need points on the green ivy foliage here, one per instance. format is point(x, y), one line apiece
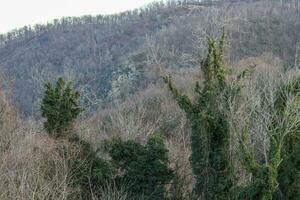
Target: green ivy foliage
point(277, 178)
point(59, 106)
point(289, 170)
point(144, 167)
point(210, 130)
point(263, 184)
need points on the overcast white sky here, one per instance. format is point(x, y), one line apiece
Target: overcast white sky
point(18, 13)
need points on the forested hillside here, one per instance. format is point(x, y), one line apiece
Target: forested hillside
point(109, 57)
point(182, 100)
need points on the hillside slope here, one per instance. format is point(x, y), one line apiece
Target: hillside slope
point(109, 57)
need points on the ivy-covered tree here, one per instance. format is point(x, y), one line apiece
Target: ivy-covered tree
point(210, 158)
point(144, 167)
point(282, 158)
point(289, 169)
point(59, 106)
point(263, 183)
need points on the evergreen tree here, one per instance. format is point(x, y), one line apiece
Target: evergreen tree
point(59, 106)
point(144, 167)
point(87, 171)
point(210, 158)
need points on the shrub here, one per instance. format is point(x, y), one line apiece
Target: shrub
point(88, 171)
point(144, 167)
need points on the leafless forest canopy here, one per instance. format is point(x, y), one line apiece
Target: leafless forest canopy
point(119, 64)
point(101, 53)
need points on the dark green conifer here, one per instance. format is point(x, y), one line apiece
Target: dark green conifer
point(60, 107)
point(87, 171)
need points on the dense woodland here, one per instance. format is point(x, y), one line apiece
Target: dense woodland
point(101, 53)
point(195, 100)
